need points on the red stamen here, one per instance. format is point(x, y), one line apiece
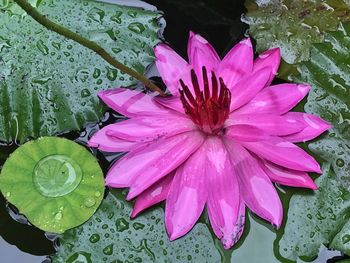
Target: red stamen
point(188, 93)
point(205, 83)
point(195, 83)
point(208, 110)
point(214, 88)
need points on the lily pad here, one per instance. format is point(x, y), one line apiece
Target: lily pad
point(56, 183)
point(111, 236)
point(319, 218)
point(48, 84)
point(323, 218)
point(293, 25)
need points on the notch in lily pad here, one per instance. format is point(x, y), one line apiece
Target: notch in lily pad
point(56, 183)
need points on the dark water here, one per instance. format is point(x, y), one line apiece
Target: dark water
point(218, 21)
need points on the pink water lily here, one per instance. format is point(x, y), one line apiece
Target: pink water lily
point(220, 141)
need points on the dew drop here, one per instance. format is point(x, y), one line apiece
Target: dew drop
point(96, 14)
point(136, 27)
point(340, 162)
point(122, 224)
point(117, 17)
point(132, 14)
point(108, 250)
point(97, 73)
point(58, 216)
point(111, 73)
point(85, 93)
point(89, 202)
point(346, 239)
point(81, 257)
point(94, 238)
point(138, 226)
point(42, 47)
point(116, 50)
point(56, 175)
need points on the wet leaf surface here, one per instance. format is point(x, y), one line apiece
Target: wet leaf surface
point(323, 218)
point(56, 183)
point(48, 84)
point(293, 25)
point(110, 235)
point(317, 219)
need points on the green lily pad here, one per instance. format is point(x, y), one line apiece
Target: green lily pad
point(56, 183)
point(323, 218)
point(48, 84)
point(293, 25)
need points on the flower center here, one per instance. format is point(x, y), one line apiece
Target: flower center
point(207, 108)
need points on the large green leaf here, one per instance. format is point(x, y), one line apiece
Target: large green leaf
point(111, 236)
point(293, 25)
point(48, 84)
point(317, 218)
point(56, 183)
point(323, 218)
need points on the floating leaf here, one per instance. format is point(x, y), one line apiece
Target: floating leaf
point(317, 218)
point(56, 183)
point(323, 218)
point(293, 25)
point(48, 84)
point(111, 236)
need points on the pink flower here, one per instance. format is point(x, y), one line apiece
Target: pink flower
point(221, 140)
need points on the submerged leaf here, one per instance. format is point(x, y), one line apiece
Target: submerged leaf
point(56, 183)
point(323, 218)
point(293, 25)
point(48, 84)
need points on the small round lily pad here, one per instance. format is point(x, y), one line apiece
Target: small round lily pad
point(56, 183)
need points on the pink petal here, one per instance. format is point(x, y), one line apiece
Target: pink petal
point(239, 227)
point(172, 102)
point(187, 195)
point(277, 99)
point(224, 207)
point(271, 124)
point(255, 186)
point(315, 126)
point(283, 153)
point(247, 88)
point(142, 168)
point(288, 177)
point(149, 128)
point(270, 58)
point(201, 53)
point(130, 103)
point(171, 67)
point(237, 63)
point(107, 143)
point(156, 193)
point(245, 133)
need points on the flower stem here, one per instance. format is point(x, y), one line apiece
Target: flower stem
point(43, 20)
